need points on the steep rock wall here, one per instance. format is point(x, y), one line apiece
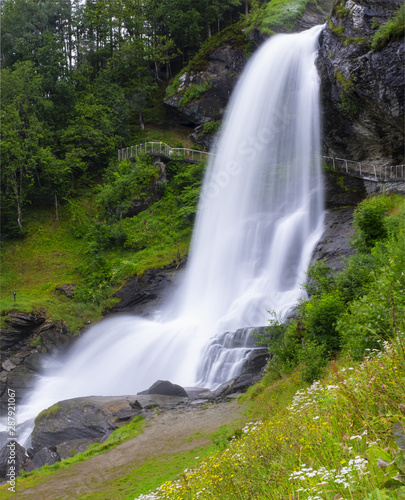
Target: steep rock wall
point(362, 90)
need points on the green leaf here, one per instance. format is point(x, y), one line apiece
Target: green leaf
point(399, 435)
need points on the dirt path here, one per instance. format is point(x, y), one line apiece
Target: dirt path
point(164, 433)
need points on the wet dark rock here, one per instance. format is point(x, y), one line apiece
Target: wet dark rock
point(362, 91)
point(34, 362)
point(141, 294)
point(13, 458)
point(136, 405)
point(45, 456)
point(342, 190)
point(24, 348)
point(24, 321)
point(256, 360)
point(334, 245)
point(223, 66)
point(235, 386)
point(9, 338)
point(166, 388)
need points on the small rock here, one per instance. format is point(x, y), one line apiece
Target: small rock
point(136, 405)
point(8, 365)
point(67, 289)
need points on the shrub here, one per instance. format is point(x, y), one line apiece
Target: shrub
point(320, 316)
point(211, 127)
point(370, 224)
point(313, 358)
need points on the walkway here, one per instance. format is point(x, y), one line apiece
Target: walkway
point(162, 152)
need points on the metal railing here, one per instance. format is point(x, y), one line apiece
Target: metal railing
point(366, 170)
point(350, 167)
point(160, 148)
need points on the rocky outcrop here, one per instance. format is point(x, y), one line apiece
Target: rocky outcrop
point(31, 338)
point(141, 294)
point(362, 90)
point(212, 86)
point(200, 94)
point(91, 418)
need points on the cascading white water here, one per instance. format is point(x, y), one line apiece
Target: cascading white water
point(259, 218)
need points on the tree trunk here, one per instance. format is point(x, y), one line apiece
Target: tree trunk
point(141, 122)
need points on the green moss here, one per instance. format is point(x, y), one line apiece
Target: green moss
point(358, 40)
point(340, 181)
point(234, 35)
point(36, 342)
point(339, 9)
point(48, 413)
point(349, 104)
point(194, 92)
point(392, 30)
point(344, 82)
point(338, 30)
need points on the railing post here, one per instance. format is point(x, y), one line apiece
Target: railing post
point(360, 168)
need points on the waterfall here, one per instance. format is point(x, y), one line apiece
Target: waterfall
point(259, 218)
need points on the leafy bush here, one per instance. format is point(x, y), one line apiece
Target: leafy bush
point(211, 127)
point(370, 223)
point(353, 310)
point(124, 183)
point(320, 315)
point(313, 359)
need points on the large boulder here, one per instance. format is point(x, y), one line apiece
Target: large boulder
point(362, 89)
point(12, 459)
point(90, 418)
point(166, 388)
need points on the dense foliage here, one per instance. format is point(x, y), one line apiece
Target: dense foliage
point(79, 79)
point(352, 311)
point(142, 208)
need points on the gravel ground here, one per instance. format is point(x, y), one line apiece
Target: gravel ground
point(166, 432)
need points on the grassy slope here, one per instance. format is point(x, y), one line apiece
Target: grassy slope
point(32, 267)
point(318, 442)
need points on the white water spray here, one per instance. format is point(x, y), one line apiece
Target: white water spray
point(259, 218)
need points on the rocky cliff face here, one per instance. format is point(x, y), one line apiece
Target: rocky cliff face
point(211, 85)
point(30, 339)
point(200, 94)
point(362, 90)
